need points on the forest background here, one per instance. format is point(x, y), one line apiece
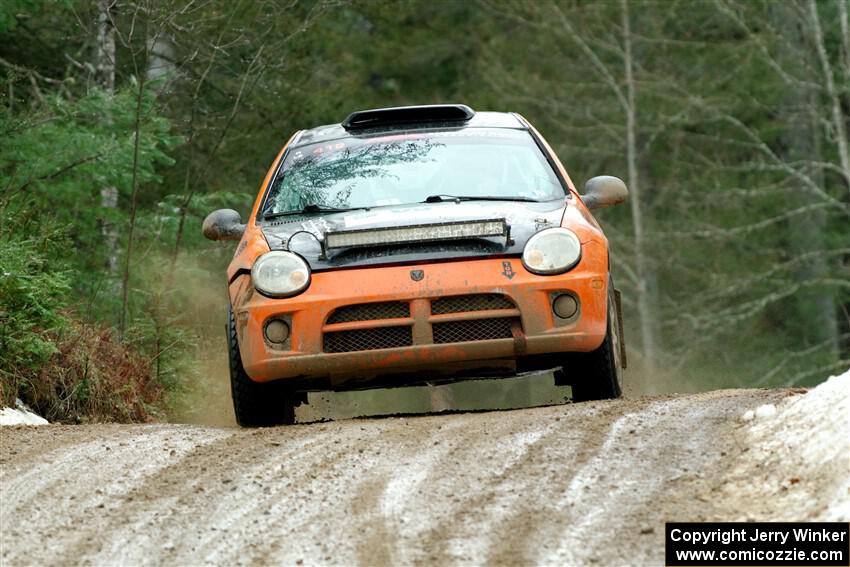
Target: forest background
point(124, 123)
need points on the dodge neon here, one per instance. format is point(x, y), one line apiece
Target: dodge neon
point(414, 245)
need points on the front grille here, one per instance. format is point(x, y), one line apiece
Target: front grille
point(382, 337)
point(476, 302)
point(368, 339)
point(474, 330)
point(370, 312)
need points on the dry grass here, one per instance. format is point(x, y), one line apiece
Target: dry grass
point(94, 377)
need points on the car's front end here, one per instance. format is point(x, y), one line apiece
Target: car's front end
point(435, 318)
point(415, 250)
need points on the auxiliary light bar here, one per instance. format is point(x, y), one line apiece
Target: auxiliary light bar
point(417, 233)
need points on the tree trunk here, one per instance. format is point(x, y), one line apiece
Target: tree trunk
point(141, 73)
point(105, 56)
point(832, 93)
point(125, 282)
point(647, 311)
point(105, 77)
point(802, 111)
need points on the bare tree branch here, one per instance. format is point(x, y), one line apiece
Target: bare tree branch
point(838, 119)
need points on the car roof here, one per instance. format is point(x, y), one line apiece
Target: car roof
point(479, 120)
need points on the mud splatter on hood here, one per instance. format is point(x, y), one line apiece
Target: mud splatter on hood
point(303, 234)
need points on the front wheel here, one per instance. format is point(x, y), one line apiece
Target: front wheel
point(256, 404)
point(599, 374)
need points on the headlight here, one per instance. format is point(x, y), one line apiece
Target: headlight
point(280, 274)
point(551, 251)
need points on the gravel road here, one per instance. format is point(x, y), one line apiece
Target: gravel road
point(575, 484)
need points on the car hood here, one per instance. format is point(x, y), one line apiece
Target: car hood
point(304, 234)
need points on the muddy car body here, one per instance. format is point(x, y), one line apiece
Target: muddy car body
point(418, 244)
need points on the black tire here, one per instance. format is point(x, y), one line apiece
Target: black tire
point(598, 375)
point(256, 404)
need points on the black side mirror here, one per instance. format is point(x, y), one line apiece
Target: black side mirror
point(223, 224)
point(604, 191)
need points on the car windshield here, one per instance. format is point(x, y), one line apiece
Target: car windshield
point(409, 168)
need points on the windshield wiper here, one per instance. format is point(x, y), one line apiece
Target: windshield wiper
point(442, 198)
point(310, 210)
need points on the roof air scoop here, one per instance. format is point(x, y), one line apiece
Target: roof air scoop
point(408, 114)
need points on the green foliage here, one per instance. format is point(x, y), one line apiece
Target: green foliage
point(33, 293)
point(55, 163)
point(744, 201)
point(9, 9)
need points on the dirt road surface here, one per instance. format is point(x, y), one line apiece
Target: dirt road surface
point(575, 484)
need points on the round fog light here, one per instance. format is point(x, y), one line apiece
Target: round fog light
point(277, 331)
point(565, 306)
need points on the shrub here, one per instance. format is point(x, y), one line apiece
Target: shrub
point(32, 292)
point(93, 376)
point(65, 369)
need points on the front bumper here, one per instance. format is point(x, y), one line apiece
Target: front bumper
point(533, 328)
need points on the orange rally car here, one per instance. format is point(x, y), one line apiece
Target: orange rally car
point(418, 244)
